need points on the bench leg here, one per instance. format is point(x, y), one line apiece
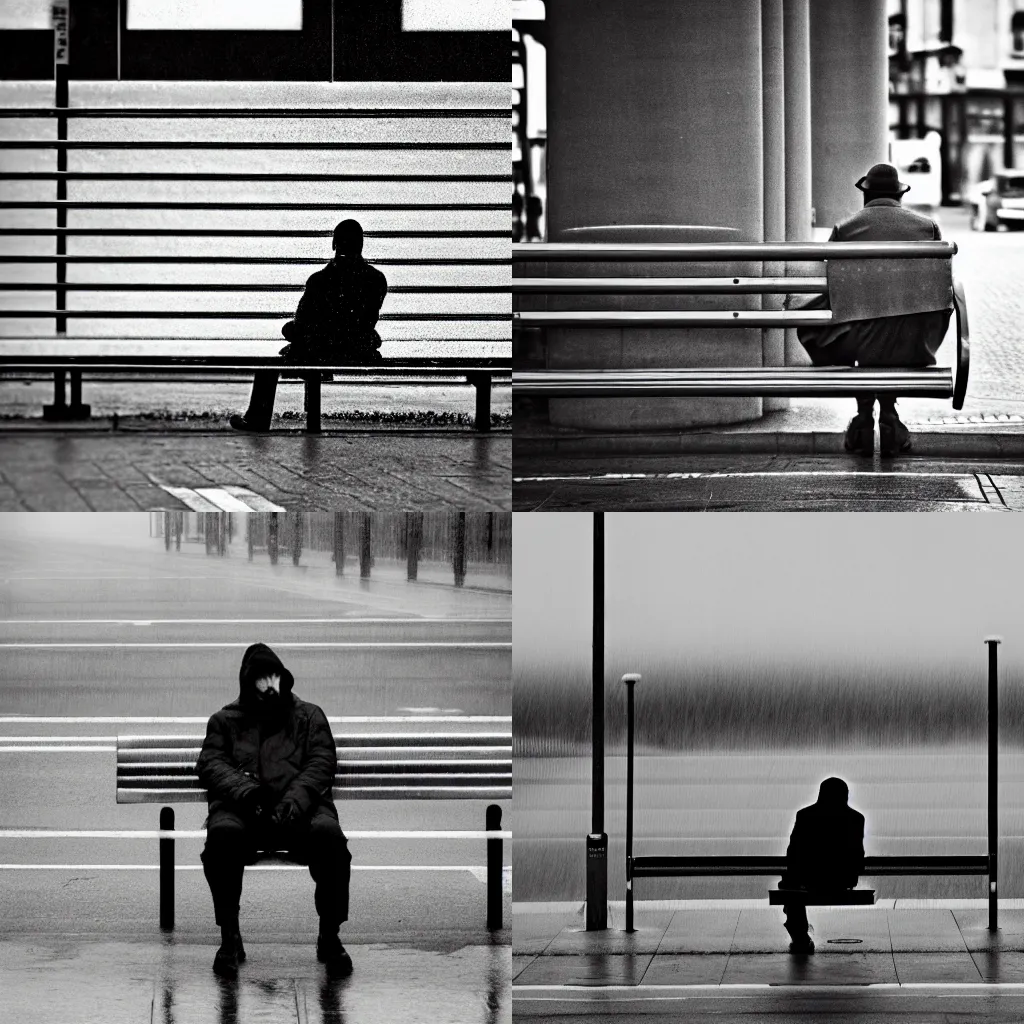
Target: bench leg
point(494, 865)
point(60, 410)
point(482, 383)
point(167, 871)
point(313, 405)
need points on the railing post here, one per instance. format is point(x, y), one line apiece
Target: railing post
point(459, 548)
point(993, 777)
point(313, 404)
point(167, 530)
point(365, 551)
point(339, 543)
point(494, 859)
point(414, 536)
point(482, 383)
point(272, 538)
point(166, 870)
point(630, 680)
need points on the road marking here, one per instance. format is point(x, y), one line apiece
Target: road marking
point(224, 498)
point(244, 622)
point(638, 992)
point(471, 868)
point(38, 833)
point(325, 643)
point(188, 720)
point(55, 750)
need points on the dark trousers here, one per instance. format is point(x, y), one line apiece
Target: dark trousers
point(796, 922)
point(261, 400)
point(232, 842)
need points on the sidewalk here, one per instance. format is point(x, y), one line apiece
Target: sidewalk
point(730, 943)
point(82, 470)
point(54, 981)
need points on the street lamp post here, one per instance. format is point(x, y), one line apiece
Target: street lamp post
point(597, 841)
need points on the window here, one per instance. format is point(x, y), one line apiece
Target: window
point(237, 15)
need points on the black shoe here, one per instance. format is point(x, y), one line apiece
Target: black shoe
point(225, 963)
point(805, 947)
point(893, 436)
point(241, 423)
point(239, 948)
point(860, 435)
point(331, 953)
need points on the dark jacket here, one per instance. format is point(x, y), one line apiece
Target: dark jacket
point(293, 754)
point(910, 339)
point(826, 848)
point(337, 313)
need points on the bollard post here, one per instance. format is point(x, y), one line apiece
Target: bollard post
point(494, 859)
point(993, 777)
point(459, 552)
point(630, 680)
point(339, 543)
point(365, 553)
point(166, 871)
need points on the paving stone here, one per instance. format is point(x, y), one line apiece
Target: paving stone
point(790, 969)
point(586, 969)
point(925, 930)
point(936, 967)
point(700, 931)
point(686, 969)
point(612, 940)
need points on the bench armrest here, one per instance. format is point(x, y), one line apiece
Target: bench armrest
point(963, 346)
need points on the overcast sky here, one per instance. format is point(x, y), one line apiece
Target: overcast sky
point(786, 587)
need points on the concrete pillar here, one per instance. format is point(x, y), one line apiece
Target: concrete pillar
point(773, 120)
point(654, 134)
point(849, 102)
point(797, 49)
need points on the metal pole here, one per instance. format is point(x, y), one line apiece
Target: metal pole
point(272, 538)
point(630, 680)
point(365, 549)
point(993, 776)
point(339, 543)
point(167, 530)
point(494, 859)
point(167, 871)
point(459, 552)
point(597, 840)
point(414, 534)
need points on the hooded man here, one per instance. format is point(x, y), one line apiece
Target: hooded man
point(268, 764)
point(826, 851)
point(906, 340)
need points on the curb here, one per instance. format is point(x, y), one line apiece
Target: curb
point(935, 444)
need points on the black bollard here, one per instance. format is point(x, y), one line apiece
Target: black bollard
point(494, 859)
point(167, 871)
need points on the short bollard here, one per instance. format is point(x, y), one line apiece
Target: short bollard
point(167, 871)
point(494, 859)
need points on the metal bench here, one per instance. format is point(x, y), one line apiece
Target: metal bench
point(478, 372)
point(791, 381)
point(399, 765)
point(712, 866)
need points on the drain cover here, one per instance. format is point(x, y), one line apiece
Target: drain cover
point(844, 942)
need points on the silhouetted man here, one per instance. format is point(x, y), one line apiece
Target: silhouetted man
point(826, 851)
point(268, 764)
point(335, 322)
point(906, 340)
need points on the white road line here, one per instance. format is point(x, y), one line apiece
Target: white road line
point(637, 992)
point(49, 833)
point(188, 497)
point(187, 720)
point(325, 643)
point(56, 750)
point(256, 622)
point(227, 502)
point(737, 475)
point(255, 501)
point(471, 868)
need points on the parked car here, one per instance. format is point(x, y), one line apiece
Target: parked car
point(998, 200)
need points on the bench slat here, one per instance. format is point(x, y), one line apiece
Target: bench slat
point(662, 867)
point(181, 795)
point(822, 898)
point(668, 285)
point(367, 740)
point(673, 318)
point(355, 768)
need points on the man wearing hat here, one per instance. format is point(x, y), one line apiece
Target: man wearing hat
point(905, 340)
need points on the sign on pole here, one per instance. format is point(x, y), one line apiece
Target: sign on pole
point(59, 14)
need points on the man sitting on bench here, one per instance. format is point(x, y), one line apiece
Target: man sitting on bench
point(268, 764)
point(826, 851)
point(334, 323)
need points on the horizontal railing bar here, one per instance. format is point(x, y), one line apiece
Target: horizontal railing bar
point(174, 145)
point(212, 364)
point(249, 112)
point(425, 261)
point(249, 314)
point(152, 796)
point(184, 833)
point(84, 204)
point(711, 251)
point(376, 739)
point(667, 285)
point(673, 318)
point(802, 382)
point(241, 233)
point(658, 867)
point(231, 176)
point(127, 781)
point(106, 286)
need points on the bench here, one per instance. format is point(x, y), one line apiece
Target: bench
point(399, 765)
point(478, 372)
point(713, 866)
point(749, 381)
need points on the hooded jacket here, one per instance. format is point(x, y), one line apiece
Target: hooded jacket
point(292, 752)
point(826, 848)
